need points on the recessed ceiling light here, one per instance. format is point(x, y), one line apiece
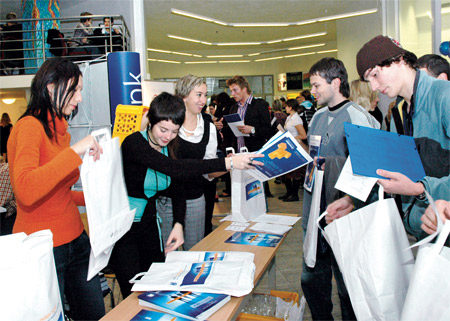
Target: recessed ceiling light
point(163, 60)
point(308, 46)
point(273, 24)
point(302, 54)
point(225, 56)
point(237, 43)
point(9, 101)
point(183, 38)
point(200, 62)
point(232, 61)
point(272, 58)
point(327, 51)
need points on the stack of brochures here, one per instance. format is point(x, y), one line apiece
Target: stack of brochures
point(186, 304)
point(275, 224)
point(145, 315)
point(206, 272)
point(256, 239)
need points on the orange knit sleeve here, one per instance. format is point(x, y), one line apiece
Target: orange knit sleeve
point(30, 180)
point(78, 198)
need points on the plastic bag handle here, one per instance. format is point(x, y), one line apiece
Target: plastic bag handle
point(134, 279)
point(319, 219)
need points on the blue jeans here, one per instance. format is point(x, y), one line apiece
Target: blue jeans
point(317, 286)
point(85, 298)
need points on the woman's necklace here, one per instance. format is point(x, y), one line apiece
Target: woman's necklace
point(149, 135)
point(192, 132)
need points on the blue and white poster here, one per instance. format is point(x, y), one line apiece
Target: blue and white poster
point(257, 239)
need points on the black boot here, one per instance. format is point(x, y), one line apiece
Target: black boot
point(288, 183)
point(294, 192)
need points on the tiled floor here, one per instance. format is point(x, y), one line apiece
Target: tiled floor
point(289, 256)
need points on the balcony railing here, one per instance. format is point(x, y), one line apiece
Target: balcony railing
point(27, 43)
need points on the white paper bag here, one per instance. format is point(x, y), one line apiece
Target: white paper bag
point(371, 248)
point(28, 283)
point(312, 232)
point(107, 206)
point(247, 196)
point(208, 256)
point(226, 277)
point(428, 295)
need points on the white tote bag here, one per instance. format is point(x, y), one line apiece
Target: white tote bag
point(227, 277)
point(371, 248)
point(428, 295)
point(29, 285)
point(247, 196)
point(312, 232)
point(107, 206)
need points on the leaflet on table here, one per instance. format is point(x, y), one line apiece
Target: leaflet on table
point(314, 150)
point(355, 185)
point(226, 277)
point(237, 226)
point(146, 315)
point(190, 305)
point(234, 120)
point(277, 219)
point(271, 228)
point(373, 149)
point(282, 155)
point(208, 256)
point(257, 239)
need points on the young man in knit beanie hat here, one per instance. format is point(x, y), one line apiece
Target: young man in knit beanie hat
point(425, 113)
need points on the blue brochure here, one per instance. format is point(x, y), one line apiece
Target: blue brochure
point(186, 304)
point(258, 239)
point(371, 149)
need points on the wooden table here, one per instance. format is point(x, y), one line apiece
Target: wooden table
point(264, 261)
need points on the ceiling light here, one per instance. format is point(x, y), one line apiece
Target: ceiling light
point(183, 38)
point(327, 51)
point(274, 41)
point(158, 50)
point(272, 58)
point(305, 22)
point(196, 16)
point(232, 61)
point(347, 15)
point(302, 54)
point(309, 46)
point(254, 54)
point(225, 56)
point(9, 101)
point(273, 24)
point(181, 53)
point(305, 36)
point(260, 24)
point(237, 43)
point(200, 62)
point(166, 61)
point(197, 56)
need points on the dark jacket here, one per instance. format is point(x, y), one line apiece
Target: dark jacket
point(258, 116)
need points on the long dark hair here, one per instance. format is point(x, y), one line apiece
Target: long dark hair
point(64, 76)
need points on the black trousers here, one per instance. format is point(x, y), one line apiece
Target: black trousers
point(135, 252)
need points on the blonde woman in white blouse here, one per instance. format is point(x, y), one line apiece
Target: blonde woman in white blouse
point(294, 125)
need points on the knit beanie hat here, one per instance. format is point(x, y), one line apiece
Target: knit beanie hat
point(375, 52)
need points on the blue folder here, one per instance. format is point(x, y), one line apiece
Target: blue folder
point(371, 149)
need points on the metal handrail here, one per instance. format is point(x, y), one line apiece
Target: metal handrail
point(76, 50)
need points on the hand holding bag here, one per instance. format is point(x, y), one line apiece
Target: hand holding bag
point(371, 248)
point(107, 206)
point(312, 232)
point(428, 296)
point(29, 285)
point(247, 196)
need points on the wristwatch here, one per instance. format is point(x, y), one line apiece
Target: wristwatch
point(252, 131)
point(421, 197)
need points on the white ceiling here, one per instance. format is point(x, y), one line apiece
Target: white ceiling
point(160, 21)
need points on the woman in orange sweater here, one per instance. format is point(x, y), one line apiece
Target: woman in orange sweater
point(43, 168)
